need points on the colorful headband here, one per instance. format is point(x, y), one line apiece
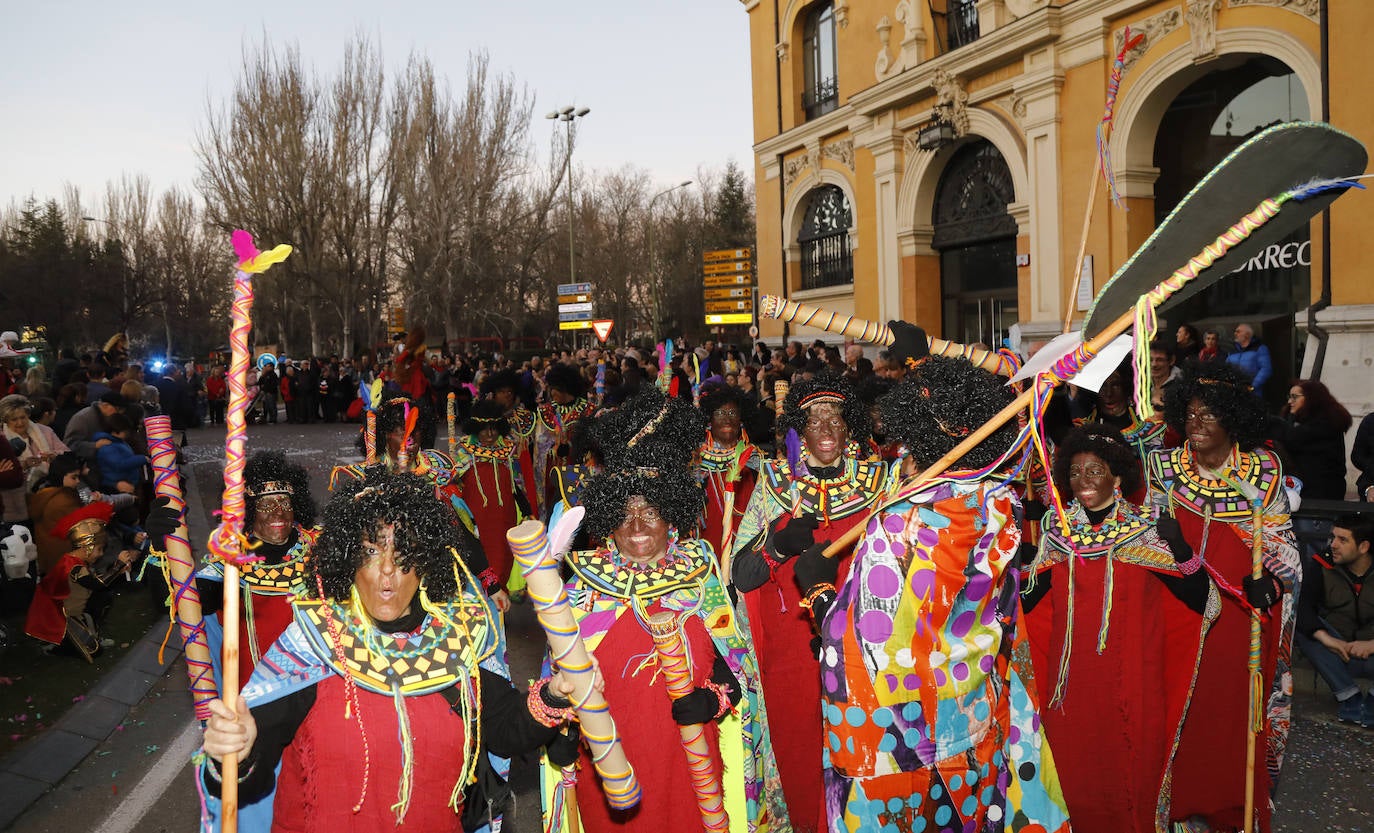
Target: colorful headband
point(270, 487)
point(820, 397)
point(1210, 381)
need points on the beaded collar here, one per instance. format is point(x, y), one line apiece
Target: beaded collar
point(607, 572)
point(1174, 471)
point(855, 489)
point(714, 459)
point(556, 417)
point(445, 649)
point(284, 577)
point(503, 452)
point(521, 422)
point(1124, 523)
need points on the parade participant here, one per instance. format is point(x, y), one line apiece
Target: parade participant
point(931, 715)
point(384, 684)
point(819, 491)
point(727, 462)
point(503, 387)
point(567, 403)
point(881, 448)
point(73, 598)
point(1217, 485)
point(638, 505)
point(1116, 611)
point(488, 464)
point(1114, 410)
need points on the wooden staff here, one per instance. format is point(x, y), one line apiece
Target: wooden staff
point(677, 674)
point(1256, 725)
point(539, 563)
point(727, 533)
point(780, 389)
point(872, 332)
point(181, 567)
point(452, 428)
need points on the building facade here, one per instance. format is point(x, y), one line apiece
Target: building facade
point(931, 160)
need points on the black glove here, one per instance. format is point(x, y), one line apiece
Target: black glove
point(908, 342)
point(1172, 533)
point(700, 706)
point(1033, 510)
point(1262, 592)
point(162, 521)
point(1026, 554)
point(814, 568)
point(563, 749)
point(795, 537)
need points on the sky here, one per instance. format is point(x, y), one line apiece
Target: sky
point(93, 91)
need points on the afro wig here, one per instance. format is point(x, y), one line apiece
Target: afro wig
point(391, 416)
point(647, 445)
point(715, 396)
point(266, 466)
point(427, 535)
point(827, 382)
point(501, 380)
point(940, 403)
point(1105, 443)
point(567, 378)
point(486, 414)
point(1225, 390)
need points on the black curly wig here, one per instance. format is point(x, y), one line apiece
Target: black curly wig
point(934, 407)
point(566, 378)
point(1106, 443)
point(501, 380)
point(425, 533)
point(486, 414)
point(717, 395)
point(647, 446)
point(1225, 389)
point(854, 410)
point(273, 465)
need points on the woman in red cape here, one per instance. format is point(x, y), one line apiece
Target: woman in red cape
point(493, 486)
point(727, 462)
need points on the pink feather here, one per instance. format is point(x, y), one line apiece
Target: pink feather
point(243, 245)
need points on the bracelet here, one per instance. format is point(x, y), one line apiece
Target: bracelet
point(542, 712)
point(215, 771)
point(815, 593)
point(722, 694)
point(1190, 566)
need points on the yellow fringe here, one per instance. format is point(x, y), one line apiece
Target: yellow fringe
point(407, 754)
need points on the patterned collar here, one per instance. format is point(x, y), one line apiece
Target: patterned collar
point(1124, 523)
point(606, 571)
point(556, 417)
point(282, 578)
point(714, 459)
point(521, 422)
point(857, 488)
point(503, 452)
point(1175, 473)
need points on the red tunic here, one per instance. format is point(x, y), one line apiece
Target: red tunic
point(46, 619)
point(271, 615)
point(715, 485)
point(489, 491)
point(652, 742)
point(322, 773)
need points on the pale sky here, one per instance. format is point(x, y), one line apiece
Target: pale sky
point(92, 90)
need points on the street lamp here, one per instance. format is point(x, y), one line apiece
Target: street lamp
point(653, 277)
point(569, 115)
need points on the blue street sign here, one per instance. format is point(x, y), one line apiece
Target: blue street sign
point(575, 316)
point(573, 288)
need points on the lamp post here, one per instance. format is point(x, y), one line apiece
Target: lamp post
point(568, 115)
point(653, 274)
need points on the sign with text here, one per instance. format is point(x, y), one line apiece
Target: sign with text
point(602, 329)
point(730, 318)
point(574, 288)
point(724, 294)
point(576, 316)
point(562, 308)
point(726, 267)
point(728, 280)
point(716, 255)
point(574, 299)
point(746, 305)
point(574, 325)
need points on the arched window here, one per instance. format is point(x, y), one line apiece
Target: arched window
point(976, 238)
point(822, 88)
point(824, 239)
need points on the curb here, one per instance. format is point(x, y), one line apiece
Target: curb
point(29, 771)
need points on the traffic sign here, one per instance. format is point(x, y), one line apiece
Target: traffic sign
point(574, 325)
point(726, 267)
point(574, 299)
point(575, 316)
point(746, 305)
point(602, 329)
point(728, 280)
point(730, 318)
point(715, 255)
point(562, 308)
point(573, 288)
point(728, 292)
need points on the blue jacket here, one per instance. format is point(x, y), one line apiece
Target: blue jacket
point(117, 461)
point(1255, 361)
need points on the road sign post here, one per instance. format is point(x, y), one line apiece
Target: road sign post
point(727, 278)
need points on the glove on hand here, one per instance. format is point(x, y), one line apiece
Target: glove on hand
point(1172, 533)
point(908, 342)
point(814, 568)
point(1034, 510)
point(700, 706)
point(563, 748)
point(162, 521)
point(795, 537)
point(1262, 592)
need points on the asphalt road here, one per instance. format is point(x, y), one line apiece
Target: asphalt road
point(140, 778)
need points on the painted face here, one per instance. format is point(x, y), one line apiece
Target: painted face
point(1344, 549)
point(559, 396)
point(825, 433)
point(272, 518)
point(643, 536)
point(386, 589)
point(489, 437)
point(505, 397)
point(725, 425)
point(1111, 400)
point(1204, 431)
point(1092, 481)
point(1296, 399)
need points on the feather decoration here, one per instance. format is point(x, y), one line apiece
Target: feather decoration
point(794, 461)
point(1321, 186)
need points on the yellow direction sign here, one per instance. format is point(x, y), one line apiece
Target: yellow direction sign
point(746, 305)
point(728, 280)
point(574, 325)
point(723, 294)
point(730, 318)
point(726, 267)
point(716, 255)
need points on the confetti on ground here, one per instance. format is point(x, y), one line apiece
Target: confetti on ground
point(78, 698)
point(150, 749)
point(103, 754)
point(7, 680)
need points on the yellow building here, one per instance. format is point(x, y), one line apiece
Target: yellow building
point(931, 160)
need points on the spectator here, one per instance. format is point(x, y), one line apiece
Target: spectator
point(1211, 347)
point(1335, 627)
point(36, 384)
point(1163, 370)
point(268, 387)
point(97, 383)
point(761, 354)
point(1362, 457)
point(44, 411)
point(852, 354)
point(216, 394)
point(1313, 433)
point(1188, 343)
point(1253, 357)
point(796, 355)
point(65, 367)
point(92, 420)
point(71, 398)
point(291, 394)
point(175, 398)
point(41, 444)
point(121, 470)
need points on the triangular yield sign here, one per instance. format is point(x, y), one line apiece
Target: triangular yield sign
point(602, 329)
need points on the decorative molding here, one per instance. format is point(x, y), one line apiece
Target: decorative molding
point(781, 48)
point(1202, 27)
point(952, 105)
point(1021, 8)
point(1310, 9)
point(841, 151)
point(841, 10)
point(911, 144)
point(793, 168)
point(913, 36)
point(1152, 28)
point(1016, 105)
point(882, 63)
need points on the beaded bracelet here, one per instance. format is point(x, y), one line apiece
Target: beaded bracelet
point(815, 592)
point(542, 712)
point(1190, 566)
point(243, 775)
point(723, 694)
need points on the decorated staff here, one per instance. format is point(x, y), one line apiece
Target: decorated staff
point(181, 566)
point(226, 543)
point(677, 673)
point(452, 425)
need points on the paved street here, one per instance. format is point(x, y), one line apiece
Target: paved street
point(133, 773)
